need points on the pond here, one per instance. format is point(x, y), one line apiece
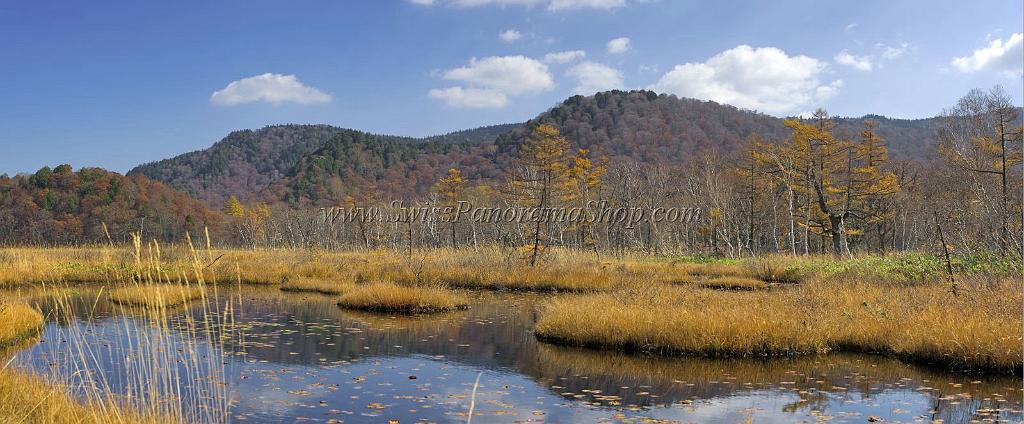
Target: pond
point(282, 357)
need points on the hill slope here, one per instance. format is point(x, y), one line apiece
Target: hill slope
point(648, 127)
point(247, 162)
point(319, 164)
point(61, 206)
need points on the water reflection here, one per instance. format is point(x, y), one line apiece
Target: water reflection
point(303, 357)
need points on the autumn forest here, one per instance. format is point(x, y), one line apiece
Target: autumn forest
point(816, 184)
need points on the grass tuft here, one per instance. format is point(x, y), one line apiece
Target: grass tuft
point(977, 330)
point(18, 322)
point(390, 297)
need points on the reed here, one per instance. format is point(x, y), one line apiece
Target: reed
point(28, 398)
point(156, 363)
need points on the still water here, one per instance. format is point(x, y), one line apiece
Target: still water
point(300, 358)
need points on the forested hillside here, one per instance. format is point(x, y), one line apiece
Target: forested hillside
point(320, 164)
point(648, 127)
point(241, 164)
point(645, 126)
point(363, 165)
point(62, 206)
point(245, 163)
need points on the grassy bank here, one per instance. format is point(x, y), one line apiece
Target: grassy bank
point(26, 398)
point(977, 330)
point(483, 268)
point(167, 264)
point(390, 297)
point(330, 286)
point(18, 322)
point(781, 305)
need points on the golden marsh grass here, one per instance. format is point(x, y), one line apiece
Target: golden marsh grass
point(978, 330)
point(390, 297)
point(26, 398)
point(18, 322)
point(894, 305)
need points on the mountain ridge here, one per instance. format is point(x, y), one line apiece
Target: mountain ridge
point(262, 157)
point(322, 164)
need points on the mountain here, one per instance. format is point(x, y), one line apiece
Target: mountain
point(354, 163)
point(321, 165)
point(62, 206)
point(245, 163)
point(649, 127)
point(645, 126)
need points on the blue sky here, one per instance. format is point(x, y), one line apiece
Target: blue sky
point(119, 83)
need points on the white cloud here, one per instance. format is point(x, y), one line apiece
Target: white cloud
point(765, 79)
point(489, 82)
point(269, 88)
point(618, 45)
point(470, 97)
point(475, 3)
point(862, 63)
point(1006, 56)
point(595, 77)
point(823, 92)
point(849, 28)
point(512, 75)
point(891, 52)
point(553, 5)
point(580, 4)
point(869, 62)
point(510, 35)
point(564, 57)
point(423, 2)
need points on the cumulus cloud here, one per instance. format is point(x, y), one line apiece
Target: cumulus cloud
point(488, 82)
point(618, 45)
point(511, 74)
point(862, 63)
point(594, 77)
point(268, 88)
point(552, 5)
point(1006, 56)
point(510, 35)
point(765, 79)
point(470, 97)
point(564, 57)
